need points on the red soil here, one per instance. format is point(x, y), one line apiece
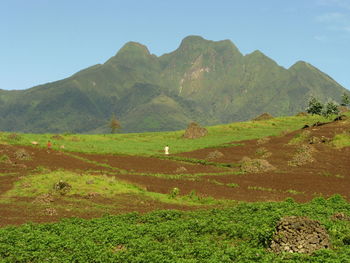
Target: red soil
point(328, 174)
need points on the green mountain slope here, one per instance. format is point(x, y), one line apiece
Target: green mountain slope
point(205, 81)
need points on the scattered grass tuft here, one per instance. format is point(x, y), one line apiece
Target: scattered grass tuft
point(341, 140)
point(4, 159)
point(328, 174)
point(300, 137)
point(263, 152)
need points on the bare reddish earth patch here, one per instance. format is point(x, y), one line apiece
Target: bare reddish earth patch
point(153, 165)
point(328, 174)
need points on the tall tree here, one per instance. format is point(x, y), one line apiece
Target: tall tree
point(114, 124)
point(345, 100)
point(330, 108)
point(315, 106)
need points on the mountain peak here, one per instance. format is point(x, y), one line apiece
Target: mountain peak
point(257, 53)
point(131, 51)
point(257, 57)
point(300, 64)
point(134, 47)
point(197, 43)
point(192, 41)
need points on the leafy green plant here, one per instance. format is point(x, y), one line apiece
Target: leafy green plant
point(174, 192)
point(240, 233)
point(4, 158)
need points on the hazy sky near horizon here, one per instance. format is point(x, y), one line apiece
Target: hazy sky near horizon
point(47, 40)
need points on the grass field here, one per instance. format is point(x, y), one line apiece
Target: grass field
point(153, 143)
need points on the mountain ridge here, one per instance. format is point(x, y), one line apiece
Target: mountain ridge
point(210, 82)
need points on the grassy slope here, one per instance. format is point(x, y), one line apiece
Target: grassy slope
point(42, 183)
point(153, 143)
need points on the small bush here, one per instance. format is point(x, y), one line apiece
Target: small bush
point(193, 196)
point(174, 192)
point(4, 159)
point(62, 187)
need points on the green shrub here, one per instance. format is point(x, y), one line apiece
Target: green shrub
point(4, 158)
point(174, 192)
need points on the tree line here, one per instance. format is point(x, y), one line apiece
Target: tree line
point(315, 107)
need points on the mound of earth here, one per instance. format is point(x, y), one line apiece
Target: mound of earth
point(264, 116)
point(255, 165)
point(299, 235)
point(22, 154)
point(302, 114)
point(214, 155)
point(57, 137)
point(302, 156)
point(194, 130)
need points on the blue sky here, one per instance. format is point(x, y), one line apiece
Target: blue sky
point(47, 40)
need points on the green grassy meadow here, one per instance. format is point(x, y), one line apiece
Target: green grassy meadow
point(153, 143)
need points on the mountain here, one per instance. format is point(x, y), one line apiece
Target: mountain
point(209, 82)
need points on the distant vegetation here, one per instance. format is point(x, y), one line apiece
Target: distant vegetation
point(328, 109)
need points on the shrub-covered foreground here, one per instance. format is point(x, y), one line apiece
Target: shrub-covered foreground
point(238, 234)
